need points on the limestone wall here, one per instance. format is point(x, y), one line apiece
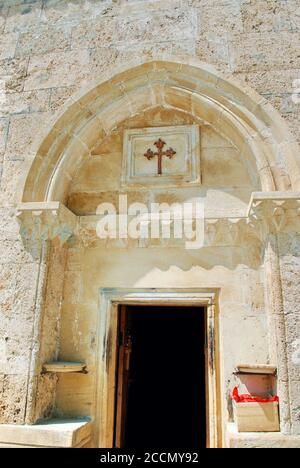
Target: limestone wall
point(290, 252)
point(49, 49)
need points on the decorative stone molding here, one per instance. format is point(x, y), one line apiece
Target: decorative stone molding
point(46, 221)
point(218, 232)
point(228, 231)
point(268, 212)
point(274, 212)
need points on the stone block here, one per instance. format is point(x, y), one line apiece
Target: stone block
point(7, 277)
point(272, 81)
point(224, 167)
point(26, 102)
point(261, 53)
point(4, 123)
point(221, 17)
point(212, 48)
point(60, 433)
point(22, 17)
point(12, 172)
point(75, 395)
point(93, 34)
point(23, 130)
point(265, 17)
point(57, 69)
point(78, 333)
point(9, 228)
point(3, 13)
point(13, 252)
point(43, 40)
point(6, 301)
point(8, 43)
point(12, 74)
point(60, 95)
point(212, 139)
point(13, 398)
point(57, 12)
point(166, 25)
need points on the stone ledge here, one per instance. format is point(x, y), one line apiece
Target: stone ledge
point(239, 440)
point(60, 433)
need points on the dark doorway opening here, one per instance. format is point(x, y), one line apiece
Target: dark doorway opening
point(161, 378)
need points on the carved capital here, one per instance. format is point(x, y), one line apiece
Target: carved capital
point(275, 211)
point(46, 221)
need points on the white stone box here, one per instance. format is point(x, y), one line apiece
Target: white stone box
point(257, 417)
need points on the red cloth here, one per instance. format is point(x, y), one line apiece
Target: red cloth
point(251, 399)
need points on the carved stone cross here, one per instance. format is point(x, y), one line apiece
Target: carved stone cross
point(160, 153)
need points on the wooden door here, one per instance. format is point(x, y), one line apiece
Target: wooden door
point(124, 355)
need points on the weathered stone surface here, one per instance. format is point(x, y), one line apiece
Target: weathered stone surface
point(58, 96)
point(214, 49)
point(43, 40)
point(165, 25)
point(264, 53)
point(23, 16)
point(12, 172)
point(49, 293)
point(225, 18)
point(8, 43)
point(57, 69)
point(74, 11)
point(12, 74)
point(54, 433)
point(290, 264)
point(13, 398)
point(269, 16)
point(26, 102)
point(23, 130)
point(3, 136)
point(91, 35)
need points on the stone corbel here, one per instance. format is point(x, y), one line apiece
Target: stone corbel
point(273, 212)
point(46, 221)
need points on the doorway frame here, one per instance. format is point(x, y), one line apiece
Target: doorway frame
point(106, 364)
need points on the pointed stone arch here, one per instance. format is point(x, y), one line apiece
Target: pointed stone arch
point(243, 116)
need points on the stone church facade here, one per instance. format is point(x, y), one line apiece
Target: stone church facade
point(79, 80)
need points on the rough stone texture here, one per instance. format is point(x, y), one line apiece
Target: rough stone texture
point(289, 247)
point(49, 49)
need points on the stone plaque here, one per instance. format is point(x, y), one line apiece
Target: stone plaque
point(162, 156)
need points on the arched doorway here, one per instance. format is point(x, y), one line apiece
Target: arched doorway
point(246, 156)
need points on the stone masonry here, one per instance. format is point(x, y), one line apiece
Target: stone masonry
point(49, 51)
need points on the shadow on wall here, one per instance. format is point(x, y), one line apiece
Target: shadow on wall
point(143, 261)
